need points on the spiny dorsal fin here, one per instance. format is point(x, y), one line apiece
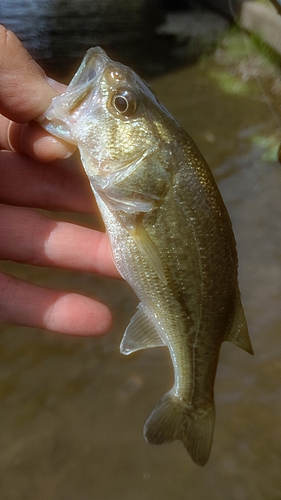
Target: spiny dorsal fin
point(140, 333)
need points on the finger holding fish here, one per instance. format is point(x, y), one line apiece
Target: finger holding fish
point(25, 93)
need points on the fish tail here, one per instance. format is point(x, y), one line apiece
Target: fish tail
point(172, 419)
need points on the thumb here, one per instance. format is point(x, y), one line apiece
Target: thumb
point(24, 90)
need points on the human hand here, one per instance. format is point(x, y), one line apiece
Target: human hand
point(34, 173)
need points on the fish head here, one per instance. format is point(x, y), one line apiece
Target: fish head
point(109, 112)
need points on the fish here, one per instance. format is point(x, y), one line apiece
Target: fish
point(170, 234)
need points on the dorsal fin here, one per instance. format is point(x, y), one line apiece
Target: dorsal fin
point(239, 331)
point(140, 333)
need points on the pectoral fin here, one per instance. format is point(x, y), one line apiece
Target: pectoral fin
point(148, 250)
point(140, 333)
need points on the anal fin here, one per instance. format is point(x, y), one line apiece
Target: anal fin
point(140, 333)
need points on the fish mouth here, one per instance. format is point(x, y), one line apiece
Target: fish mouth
point(91, 68)
point(81, 96)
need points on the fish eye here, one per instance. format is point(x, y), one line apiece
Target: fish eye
point(124, 102)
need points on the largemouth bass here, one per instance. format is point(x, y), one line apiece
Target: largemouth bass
point(170, 234)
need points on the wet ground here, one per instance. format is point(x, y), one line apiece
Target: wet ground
point(72, 409)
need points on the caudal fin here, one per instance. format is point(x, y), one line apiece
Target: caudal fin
point(171, 419)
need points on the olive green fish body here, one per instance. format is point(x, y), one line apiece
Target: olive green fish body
point(170, 234)
point(196, 306)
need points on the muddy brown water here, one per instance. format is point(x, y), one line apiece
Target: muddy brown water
point(72, 409)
